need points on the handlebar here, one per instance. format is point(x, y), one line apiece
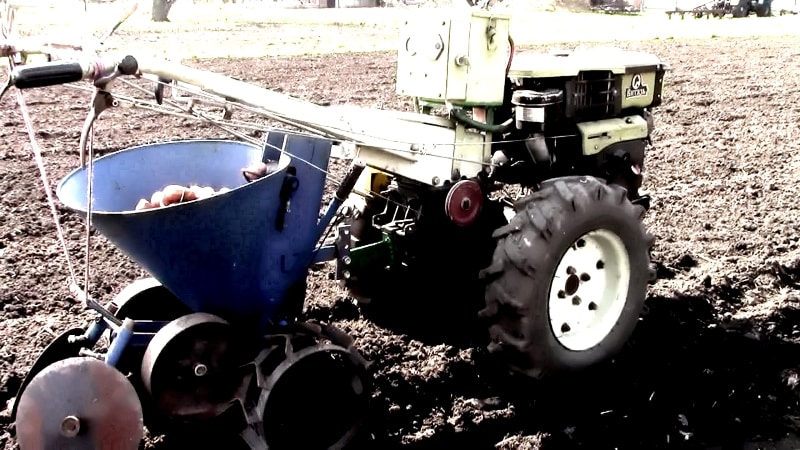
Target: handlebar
point(61, 72)
point(47, 75)
point(384, 132)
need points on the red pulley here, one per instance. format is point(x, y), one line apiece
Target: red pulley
point(464, 202)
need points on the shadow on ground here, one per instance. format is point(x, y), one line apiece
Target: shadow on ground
point(685, 381)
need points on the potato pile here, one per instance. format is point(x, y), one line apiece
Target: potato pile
point(174, 193)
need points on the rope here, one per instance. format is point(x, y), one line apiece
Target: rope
point(37, 153)
point(89, 186)
point(74, 288)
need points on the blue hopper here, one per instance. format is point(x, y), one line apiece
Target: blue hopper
point(235, 254)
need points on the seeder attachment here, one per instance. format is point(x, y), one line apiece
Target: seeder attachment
point(212, 342)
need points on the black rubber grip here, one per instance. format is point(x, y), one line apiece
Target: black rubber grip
point(349, 181)
point(47, 75)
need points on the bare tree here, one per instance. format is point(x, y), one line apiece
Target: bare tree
point(161, 10)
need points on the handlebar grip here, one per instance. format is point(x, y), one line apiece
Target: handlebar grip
point(47, 75)
point(350, 180)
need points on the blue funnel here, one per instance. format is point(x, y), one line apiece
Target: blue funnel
point(234, 254)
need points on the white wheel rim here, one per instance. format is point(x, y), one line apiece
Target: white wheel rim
point(589, 290)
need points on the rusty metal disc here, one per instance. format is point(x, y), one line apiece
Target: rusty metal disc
point(190, 367)
point(79, 403)
point(464, 202)
point(59, 349)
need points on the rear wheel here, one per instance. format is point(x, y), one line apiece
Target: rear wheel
point(568, 277)
point(763, 10)
point(741, 10)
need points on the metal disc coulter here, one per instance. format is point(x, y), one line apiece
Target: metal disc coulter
point(79, 403)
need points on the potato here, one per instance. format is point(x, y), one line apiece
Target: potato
point(188, 195)
point(144, 204)
point(199, 192)
point(259, 170)
point(173, 194)
point(156, 198)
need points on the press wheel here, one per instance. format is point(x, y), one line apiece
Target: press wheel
point(145, 299)
point(79, 403)
point(190, 368)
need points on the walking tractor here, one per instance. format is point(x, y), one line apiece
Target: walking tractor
point(517, 179)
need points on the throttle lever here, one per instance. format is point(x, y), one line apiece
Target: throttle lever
point(159, 90)
point(100, 102)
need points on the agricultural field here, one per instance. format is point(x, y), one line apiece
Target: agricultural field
point(714, 362)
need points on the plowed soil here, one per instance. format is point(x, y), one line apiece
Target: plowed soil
point(713, 364)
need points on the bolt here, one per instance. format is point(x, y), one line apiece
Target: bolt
point(565, 328)
point(200, 370)
point(592, 306)
point(436, 181)
point(346, 260)
point(571, 270)
point(346, 274)
point(576, 300)
point(585, 277)
point(70, 426)
point(600, 264)
point(562, 294)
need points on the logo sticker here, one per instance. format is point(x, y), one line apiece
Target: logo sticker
point(638, 88)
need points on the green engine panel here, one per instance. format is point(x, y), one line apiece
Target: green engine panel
point(599, 134)
point(641, 73)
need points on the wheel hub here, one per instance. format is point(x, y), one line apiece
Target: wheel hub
point(464, 202)
point(589, 290)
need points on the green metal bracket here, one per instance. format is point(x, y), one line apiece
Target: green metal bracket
point(377, 255)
